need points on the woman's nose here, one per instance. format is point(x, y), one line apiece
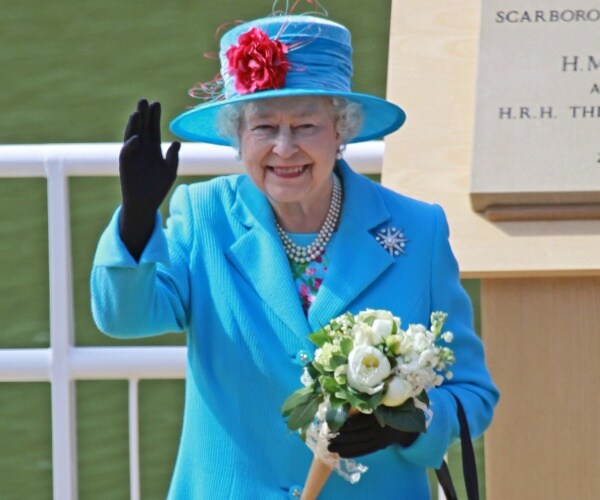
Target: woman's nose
point(285, 143)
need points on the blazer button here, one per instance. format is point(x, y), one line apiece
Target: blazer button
point(295, 492)
point(303, 357)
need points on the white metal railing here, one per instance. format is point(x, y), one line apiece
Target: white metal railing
point(63, 363)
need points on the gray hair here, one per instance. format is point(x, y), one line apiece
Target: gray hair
point(348, 117)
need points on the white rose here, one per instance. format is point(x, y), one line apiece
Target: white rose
point(365, 335)
point(398, 390)
point(367, 368)
point(382, 314)
point(383, 327)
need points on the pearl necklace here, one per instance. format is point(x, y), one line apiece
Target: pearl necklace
point(302, 255)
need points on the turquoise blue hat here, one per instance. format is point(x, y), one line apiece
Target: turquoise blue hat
point(283, 56)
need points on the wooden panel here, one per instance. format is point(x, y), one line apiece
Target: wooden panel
point(432, 75)
point(543, 348)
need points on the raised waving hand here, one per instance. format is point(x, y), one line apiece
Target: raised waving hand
point(146, 176)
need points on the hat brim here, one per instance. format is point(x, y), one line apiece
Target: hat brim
point(381, 117)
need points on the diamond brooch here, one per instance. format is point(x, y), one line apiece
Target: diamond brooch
point(392, 240)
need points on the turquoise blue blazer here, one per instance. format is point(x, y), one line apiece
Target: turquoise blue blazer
point(219, 273)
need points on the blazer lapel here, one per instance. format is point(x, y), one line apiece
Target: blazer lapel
point(356, 258)
point(259, 256)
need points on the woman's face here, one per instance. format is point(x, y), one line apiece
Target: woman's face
point(288, 146)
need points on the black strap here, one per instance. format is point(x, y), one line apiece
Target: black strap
point(445, 480)
point(468, 462)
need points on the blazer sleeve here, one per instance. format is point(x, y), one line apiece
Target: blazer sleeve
point(471, 381)
point(138, 299)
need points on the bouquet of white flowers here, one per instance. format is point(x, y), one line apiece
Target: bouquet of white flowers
point(367, 363)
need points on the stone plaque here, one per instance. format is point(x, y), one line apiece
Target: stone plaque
point(537, 122)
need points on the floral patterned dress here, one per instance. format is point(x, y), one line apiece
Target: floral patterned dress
point(308, 276)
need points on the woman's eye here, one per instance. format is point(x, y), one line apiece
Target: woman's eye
point(305, 128)
point(263, 127)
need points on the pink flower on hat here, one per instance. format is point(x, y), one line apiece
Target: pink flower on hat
point(257, 62)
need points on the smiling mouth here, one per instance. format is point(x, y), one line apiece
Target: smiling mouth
point(289, 171)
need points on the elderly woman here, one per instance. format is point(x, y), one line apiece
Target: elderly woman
point(249, 265)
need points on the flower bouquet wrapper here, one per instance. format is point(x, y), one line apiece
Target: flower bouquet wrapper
point(325, 462)
point(365, 363)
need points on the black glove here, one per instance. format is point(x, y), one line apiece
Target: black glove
point(362, 434)
point(146, 176)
